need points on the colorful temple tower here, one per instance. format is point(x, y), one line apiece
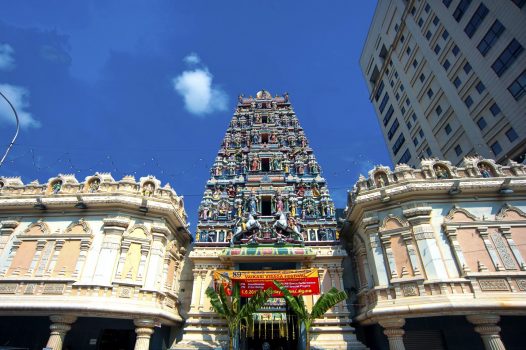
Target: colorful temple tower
point(266, 206)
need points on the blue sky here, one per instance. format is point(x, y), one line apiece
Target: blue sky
point(149, 87)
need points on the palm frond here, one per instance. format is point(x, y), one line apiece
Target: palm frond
point(327, 301)
point(215, 301)
point(297, 306)
point(254, 304)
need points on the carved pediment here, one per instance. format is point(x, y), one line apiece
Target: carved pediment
point(460, 215)
point(509, 212)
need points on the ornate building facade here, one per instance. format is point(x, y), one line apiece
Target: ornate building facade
point(100, 260)
point(440, 255)
point(266, 206)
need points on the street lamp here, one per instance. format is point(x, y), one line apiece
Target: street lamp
point(17, 128)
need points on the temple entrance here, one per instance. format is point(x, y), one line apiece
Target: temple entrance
point(274, 324)
point(278, 334)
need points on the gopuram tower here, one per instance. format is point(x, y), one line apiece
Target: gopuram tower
point(266, 207)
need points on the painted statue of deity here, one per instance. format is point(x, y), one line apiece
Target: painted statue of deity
point(256, 164)
point(252, 205)
point(484, 170)
point(94, 185)
point(57, 186)
point(278, 202)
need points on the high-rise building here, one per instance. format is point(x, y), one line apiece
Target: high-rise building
point(448, 78)
point(266, 207)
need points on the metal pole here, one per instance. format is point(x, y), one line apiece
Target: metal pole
point(17, 129)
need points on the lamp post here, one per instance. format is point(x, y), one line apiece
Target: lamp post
point(17, 128)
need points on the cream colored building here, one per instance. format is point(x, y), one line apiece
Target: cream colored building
point(440, 255)
point(447, 78)
point(100, 258)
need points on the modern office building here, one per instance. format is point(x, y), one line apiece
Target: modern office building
point(439, 255)
point(448, 78)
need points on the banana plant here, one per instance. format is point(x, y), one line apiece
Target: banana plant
point(325, 302)
point(228, 307)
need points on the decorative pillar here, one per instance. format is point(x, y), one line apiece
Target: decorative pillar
point(451, 233)
point(113, 230)
point(394, 332)
point(483, 232)
point(144, 330)
point(145, 249)
point(83, 255)
point(60, 325)
point(486, 326)
point(59, 244)
point(155, 265)
point(7, 229)
point(425, 240)
point(386, 242)
point(41, 244)
point(408, 241)
point(196, 290)
point(14, 248)
point(506, 232)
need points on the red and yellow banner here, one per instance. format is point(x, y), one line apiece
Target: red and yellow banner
point(298, 282)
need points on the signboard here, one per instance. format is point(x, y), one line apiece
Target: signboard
point(298, 282)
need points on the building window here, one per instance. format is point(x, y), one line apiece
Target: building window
point(520, 3)
point(388, 115)
point(461, 9)
point(481, 123)
point(495, 109)
point(507, 57)
point(402, 39)
point(458, 150)
point(518, 87)
point(422, 77)
point(455, 50)
point(428, 151)
point(428, 35)
point(467, 68)
point(447, 129)
point(415, 141)
point(402, 87)
point(476, 20)
point(392, 129)
point(420, 22)
point(480, 87)
point(413, 11)
point(490, 38)
point(383, 103)
point(409, 125)
point(421, 133)
point(438, 110)
point(397, 96)
point(468, 101)
point(405, 157)
point(429, 93)
point(396, 75)
point(427, 8)
point(403, 110)
point(407, 102)
point(397, 27)
point(446, 3)
point(415, 63)
point(398, 144)
point(445, 34)
point(408, 51)
point(446, 65)
point(457, 82)
point(511, 134)
point(496, 148)
point(435, 20)
point(414, 117)
point(391, 83)
point(437, 49)
point(379, 91)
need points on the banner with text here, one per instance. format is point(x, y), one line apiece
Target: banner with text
point(298, 282)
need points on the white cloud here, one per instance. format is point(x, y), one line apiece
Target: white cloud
point(19, 97)
point(192, 58)
point(200, 95)
point(7, 62)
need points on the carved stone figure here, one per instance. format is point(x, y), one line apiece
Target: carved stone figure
point(57, 186)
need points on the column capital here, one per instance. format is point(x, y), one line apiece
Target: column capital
point(144, 322)
point(66, 319)
point(483, 319)
point(392, 323)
